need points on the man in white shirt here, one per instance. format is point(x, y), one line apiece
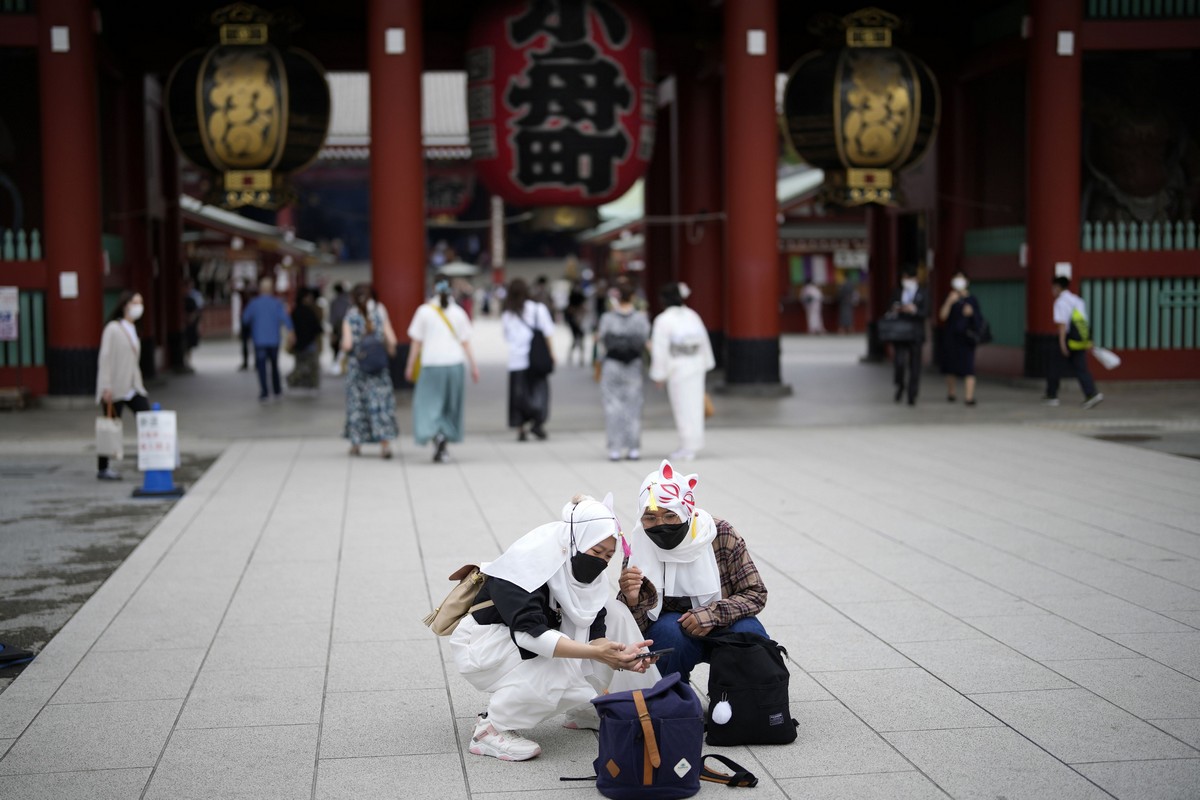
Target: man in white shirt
point(1074, 342)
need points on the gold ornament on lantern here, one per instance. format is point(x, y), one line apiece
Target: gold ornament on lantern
point(879, 118)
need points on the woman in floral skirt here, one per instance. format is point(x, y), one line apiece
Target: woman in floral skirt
point(370, 401)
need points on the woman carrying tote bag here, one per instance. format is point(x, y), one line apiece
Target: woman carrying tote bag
point(118, 371)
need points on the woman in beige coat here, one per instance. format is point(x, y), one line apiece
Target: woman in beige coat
point(119, 372)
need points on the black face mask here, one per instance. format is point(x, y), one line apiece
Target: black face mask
point(668, 537)
point(587, 567)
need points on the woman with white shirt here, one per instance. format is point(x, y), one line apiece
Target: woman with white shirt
point(680, 356)
point(528, 391)
point(441, 338)
point(118, 372)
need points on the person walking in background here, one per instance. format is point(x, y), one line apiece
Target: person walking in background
point(119, 382)
point(337, 314)
point(680, 355)
point(306, 321)
point(441, 341)
point(847, 297)
point(242, 297)
point(1074, 342)
point(574, 314)
point(370, 399)
point(193, 308)
point(812, 298)
point(620, 341)
point(910, 302)
point(528, 391)
point(267, 316)
point(961, 317)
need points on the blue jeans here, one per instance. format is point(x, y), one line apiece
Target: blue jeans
point(689, 652)
point(263, 356)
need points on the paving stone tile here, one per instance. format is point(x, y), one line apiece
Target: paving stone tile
point(969, 598)
point(1189, 618)
point(564, 752)
point(1077, 726)
point(263, 763)
point(90, 736)
point(1103, 613)
point(4, 745)
point(904, 700)
point(850, 586)
point(1141, 686)
point(831, 741)
point(908, 621)
point(362, 724)
point(254, 697)
point(1178, 650)
point(23, 700)
point(1049, 638)
point(284, 592)
point(107, 784)
point(878, 786)
point(379, 608)
point(271, 646)
point(1185, 730)
point(981, 665)
point(991, 763)
point(184, 625)
point(1147, 780)
point(844, 645)
point(384, 666)
point(436, 777)
point(129, 675)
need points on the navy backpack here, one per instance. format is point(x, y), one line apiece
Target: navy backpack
point(650, 742)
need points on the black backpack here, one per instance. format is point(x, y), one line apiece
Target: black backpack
point(747, 671)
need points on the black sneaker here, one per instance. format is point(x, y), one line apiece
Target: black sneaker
point(109, 474)
point(439, 453)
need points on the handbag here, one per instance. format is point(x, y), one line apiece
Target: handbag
point(460, 602)
point(897, 329)
point(110, 434)
point(1107, 358)
point(981, 332)
point(747, 675)
point(709, 409)
point(650, 744)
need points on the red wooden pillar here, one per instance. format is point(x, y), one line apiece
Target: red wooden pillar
point(131, 198)
point(751, 150)
point(1055, 128)
point(883, 242)
point(701, 244)
point(394, 60)
point(658, 249)
point(71, 191)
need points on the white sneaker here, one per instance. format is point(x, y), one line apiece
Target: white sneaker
point(682, 454)
point(583, 718)
point(1093, 401)
point(614, 455)
point(634, 454)
point(1050, 401)
point(504, 745)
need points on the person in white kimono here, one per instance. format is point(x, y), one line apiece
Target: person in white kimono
point(680, 355)
point(541, 644)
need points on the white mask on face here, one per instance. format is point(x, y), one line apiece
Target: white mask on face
point(959, 284)
point(135, 311)
point(910, 284)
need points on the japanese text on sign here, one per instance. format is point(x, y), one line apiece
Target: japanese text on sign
point(157, 443)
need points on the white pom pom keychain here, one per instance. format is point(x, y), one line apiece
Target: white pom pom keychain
point(722, 712)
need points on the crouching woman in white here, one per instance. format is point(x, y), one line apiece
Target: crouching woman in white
point(540, 648)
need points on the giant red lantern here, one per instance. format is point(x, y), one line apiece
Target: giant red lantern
point(561, 97)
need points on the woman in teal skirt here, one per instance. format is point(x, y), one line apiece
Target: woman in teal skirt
point(370, 401)
point(441, 341)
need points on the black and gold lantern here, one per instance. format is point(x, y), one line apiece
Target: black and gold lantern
point(247, 110)
point(862, 111)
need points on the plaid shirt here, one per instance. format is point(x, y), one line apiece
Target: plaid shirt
point(742, 591)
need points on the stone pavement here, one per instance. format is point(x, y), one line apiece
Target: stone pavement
point(974, 606)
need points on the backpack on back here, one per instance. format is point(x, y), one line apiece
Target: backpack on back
point(748, 673)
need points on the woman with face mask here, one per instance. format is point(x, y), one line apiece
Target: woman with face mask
point(542, 642)
point(960, 316)
point(118, 371)
point(688, 574)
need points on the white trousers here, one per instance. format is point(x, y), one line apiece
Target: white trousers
point(687, 404)
point(527, 692)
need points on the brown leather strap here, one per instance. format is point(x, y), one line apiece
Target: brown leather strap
point(652, 759)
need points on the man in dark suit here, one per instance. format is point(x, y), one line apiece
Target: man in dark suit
point(910, 302)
